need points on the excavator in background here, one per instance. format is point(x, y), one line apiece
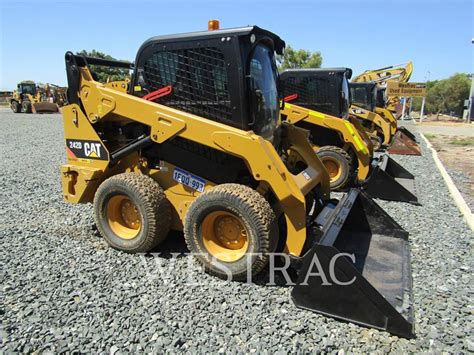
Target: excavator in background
point(400, 73)
point(319, 100)
point(31, 97)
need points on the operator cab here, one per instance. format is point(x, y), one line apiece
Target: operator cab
point(229, 76)
point(26, 88)
point(322, 90)
point(364, 95)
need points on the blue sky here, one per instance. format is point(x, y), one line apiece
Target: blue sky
point(435, 35)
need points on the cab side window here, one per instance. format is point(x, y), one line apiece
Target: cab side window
point(198, 78)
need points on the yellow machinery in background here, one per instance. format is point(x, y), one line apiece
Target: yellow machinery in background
point(367, 100)
point(400, 73)
point(30, 97)
point(320, 101)
point(196, 144)
point(56, 93)
point(345, 152)
point(323, 88)
point(380, 128)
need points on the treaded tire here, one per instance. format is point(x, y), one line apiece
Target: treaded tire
point(345, 164)
point(15, 106)
point(151, 202)
point(257, 217)
point(26, 106)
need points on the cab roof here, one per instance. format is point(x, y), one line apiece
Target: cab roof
point(306, 71)
point(279, 44)
point(368, 84)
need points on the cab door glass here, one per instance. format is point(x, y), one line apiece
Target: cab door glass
point(345, 97)
point(263, 75)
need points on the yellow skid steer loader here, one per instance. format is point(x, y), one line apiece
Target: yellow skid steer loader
point(320, 100)
point(195, 144)
point(367, 99)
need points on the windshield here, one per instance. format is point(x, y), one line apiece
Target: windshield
point(360, 95)
point(27, 89)
point(264, 95)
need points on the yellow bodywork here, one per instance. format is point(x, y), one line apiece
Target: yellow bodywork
point(379, 122)
point(353, 138)
point(121, 85)
point(105, 103)
point(400, 72)
point(387, 115)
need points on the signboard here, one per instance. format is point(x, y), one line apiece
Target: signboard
point(395, 88)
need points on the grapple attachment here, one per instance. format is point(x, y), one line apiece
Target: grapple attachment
point(359, 270)
point(404, 143)
point(390, 181)
point(45, 107)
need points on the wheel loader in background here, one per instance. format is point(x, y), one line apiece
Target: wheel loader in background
point(195, 143)
point(320, 102)
point(30, 97)
point(366, 96)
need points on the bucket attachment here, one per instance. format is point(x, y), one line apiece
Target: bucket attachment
point(392, 182)
point(45, 107)
point(404, 143)
point(407, 133)
point(374, 289)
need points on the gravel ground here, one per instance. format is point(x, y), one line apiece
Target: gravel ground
point(463, 183)
point(65, 290)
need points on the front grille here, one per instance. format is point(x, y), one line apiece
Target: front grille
point(198, 78)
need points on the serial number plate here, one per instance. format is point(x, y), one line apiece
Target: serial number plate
point(189, 180)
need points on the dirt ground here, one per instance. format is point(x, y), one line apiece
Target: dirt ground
point(436, 118)
point(457, 154)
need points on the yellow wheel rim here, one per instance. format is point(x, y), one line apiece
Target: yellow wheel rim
point(224, 236)
point(123, 217)
point(333, 166)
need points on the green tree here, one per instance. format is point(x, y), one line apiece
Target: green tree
point(301, 58)
point(106, 74)
point(446, 96)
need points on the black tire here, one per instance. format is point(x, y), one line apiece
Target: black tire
point(332, 156)
point(256, 217)
point(376, 142)
point(15, 106)
point(26, 106)
point(150, 207)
